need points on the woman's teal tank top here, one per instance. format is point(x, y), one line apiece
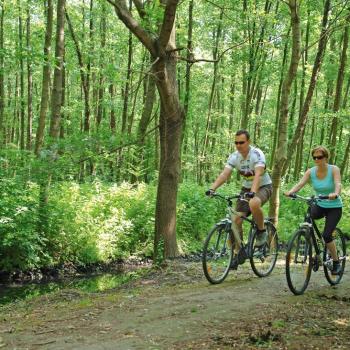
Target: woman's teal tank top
point(325, 187)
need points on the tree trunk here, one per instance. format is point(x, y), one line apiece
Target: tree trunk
point(171, 116)
point(2, 85)
point(22, 104)
point(170, 130)
point(188, 73)
point(346, 158)
point(217, 36)
point(56, 101)
point(45, 92)
point(275, 132)
point(338, 92)
point(30, 84)
point(299, 132)
point(281, 152)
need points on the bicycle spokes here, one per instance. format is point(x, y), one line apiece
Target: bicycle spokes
point(263, 259)
point(298, 262)
point(217, 254)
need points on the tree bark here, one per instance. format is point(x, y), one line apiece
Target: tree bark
point(29, 84)
point(281, 152)
point(45, 90)
point(171, 117)
point(2, 85)
point(21, 63)
point(338, 93)
point(299, 132)
point(85, 76)
point(56, 101)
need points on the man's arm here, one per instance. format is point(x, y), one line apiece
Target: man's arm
point(222, 178)
point(259, 171)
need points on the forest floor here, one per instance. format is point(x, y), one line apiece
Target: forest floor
point(174, 307)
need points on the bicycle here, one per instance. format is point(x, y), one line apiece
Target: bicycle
point(219, 246)
point(300, 260)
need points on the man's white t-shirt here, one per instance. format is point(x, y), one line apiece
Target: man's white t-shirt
point(246, 166)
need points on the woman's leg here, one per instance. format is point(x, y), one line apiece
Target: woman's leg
point(333, 216)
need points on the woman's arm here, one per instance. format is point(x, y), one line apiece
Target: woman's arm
point(337, 183)
point(301, 183)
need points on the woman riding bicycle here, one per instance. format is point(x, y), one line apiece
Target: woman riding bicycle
point(325, 180)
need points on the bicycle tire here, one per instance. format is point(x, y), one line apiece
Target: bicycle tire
point(299, 261)
point(339, 238)
point(217, 253)
point(263, 260)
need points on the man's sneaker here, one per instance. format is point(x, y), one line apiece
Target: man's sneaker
point(242, 256)
point(238, 259)
point(336, 270)
point(261, 238)
point(234, 263)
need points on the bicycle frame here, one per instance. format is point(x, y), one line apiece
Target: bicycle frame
point(312, 229)
point(230, 211)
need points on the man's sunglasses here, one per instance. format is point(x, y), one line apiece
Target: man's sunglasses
point(240, 142)
point(317, 157)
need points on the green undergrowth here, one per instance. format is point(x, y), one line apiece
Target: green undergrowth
point(101, 222)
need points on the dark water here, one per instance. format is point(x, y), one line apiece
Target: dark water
point(94, 283)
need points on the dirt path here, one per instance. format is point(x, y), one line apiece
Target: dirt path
point(177, 309)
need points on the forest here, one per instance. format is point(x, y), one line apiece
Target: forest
point(116, 116)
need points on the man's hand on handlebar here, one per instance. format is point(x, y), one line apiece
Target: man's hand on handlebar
point(209, 192)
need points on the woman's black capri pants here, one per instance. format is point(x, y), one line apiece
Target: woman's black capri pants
point(332, 215)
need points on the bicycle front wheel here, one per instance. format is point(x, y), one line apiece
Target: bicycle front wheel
point(299, 262)
point(339, 241)
point(217, 254)
point(263, 259)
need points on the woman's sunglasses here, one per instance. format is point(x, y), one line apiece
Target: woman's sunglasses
point(317, 157)
point(240, 142)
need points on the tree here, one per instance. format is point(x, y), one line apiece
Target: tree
point(281, 152)
point(162, 48)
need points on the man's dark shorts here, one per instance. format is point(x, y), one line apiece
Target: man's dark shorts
point(264, 193)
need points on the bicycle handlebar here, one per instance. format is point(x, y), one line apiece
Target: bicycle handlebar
point(227, 198)
point(308, 199)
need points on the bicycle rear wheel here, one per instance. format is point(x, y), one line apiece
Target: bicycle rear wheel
point(263, 259)
point(299, 262)
point(339, 241)
point(217, 253)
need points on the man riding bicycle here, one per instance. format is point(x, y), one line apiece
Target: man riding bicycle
point(257, 185)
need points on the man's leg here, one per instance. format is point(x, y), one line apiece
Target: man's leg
point(258, 215)
point(237, 228)
point(239, 255)
point(255, 204)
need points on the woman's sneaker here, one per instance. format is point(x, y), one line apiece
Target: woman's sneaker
point(336, 270)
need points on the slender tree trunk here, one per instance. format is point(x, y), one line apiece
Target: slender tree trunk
point(101, 78)
point(314, 76)
point(338, 93)
point(112, 121)
point(203, 163)
point(29, 83)
point(281, 152)
point(56, 104)
point(56, 101)
point(2, 85)
point(346, 158)
point(84, 76)
point(127, 84)
point(188, 73)
point(45, 92)
point(21, 63)
point(275, 132)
